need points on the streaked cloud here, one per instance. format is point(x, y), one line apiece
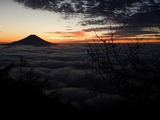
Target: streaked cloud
point(69, 28)
point(104, 28)
point(74, 34)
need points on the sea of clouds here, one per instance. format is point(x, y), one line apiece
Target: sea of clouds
point(63, 66)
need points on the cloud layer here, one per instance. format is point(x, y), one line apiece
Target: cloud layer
point(62, 66)
point(138, 13)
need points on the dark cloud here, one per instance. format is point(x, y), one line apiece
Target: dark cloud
point(100, 12)
point(94, 21)
point(150, 18)
point(104, 8)
point(135, 30)
point(105, 28)
point(125, 31)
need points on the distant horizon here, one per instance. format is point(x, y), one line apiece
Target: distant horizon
point(92, 42)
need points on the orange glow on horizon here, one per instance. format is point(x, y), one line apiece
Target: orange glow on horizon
point(124, 41)
point(73, 37)
point(9, 39)
point(62, 40)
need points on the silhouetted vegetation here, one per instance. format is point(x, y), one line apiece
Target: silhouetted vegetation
point(130, 71)
point(26, 94)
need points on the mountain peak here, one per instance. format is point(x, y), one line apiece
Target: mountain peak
point(33, 35)
point(32, 40)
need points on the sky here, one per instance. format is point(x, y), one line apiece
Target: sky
point(18, 22)
point(78, 21)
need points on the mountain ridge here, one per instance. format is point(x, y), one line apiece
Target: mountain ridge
point(32, 40)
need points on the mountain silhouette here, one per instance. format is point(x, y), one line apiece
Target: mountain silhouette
point(32, 40)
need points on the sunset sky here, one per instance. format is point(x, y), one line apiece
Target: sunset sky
point(18, 21)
